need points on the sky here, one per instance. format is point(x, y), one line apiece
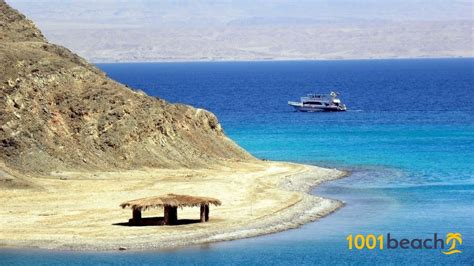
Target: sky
point(189, 12)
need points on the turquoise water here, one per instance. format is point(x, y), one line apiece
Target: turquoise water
point(407, 138)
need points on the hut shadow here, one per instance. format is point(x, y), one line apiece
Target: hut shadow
point(157, 221)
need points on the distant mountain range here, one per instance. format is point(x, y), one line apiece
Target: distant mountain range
point(121, 31)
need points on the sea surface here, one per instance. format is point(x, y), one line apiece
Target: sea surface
point(408, 138)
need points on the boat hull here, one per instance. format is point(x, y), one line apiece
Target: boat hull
point(312, 108)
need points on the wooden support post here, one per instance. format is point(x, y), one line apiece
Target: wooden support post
point(206, 212)
point(203, 216)
point(136, 216)
point(170, 215)
point(166, 216)
point(174, 215)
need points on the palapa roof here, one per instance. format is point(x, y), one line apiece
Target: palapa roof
point(172, 200)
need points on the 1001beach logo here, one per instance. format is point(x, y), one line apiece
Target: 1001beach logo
point(448, 245)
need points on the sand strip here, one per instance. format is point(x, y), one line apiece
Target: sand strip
point(79, 211)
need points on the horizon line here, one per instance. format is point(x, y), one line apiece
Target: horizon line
point(278, 60)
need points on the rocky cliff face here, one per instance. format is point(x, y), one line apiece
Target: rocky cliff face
point(59, 112)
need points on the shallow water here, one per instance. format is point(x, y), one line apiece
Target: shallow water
point(407, 137)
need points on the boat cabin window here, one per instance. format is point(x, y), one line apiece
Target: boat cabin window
point(318, 103)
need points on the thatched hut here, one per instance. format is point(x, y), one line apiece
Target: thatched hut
point(170, 204)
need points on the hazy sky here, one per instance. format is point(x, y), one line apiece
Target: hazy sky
point(191, 12)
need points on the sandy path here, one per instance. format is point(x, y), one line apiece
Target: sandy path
point(79, 210)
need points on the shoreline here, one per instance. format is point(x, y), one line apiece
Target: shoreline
point(276, 191)
point(171, 61)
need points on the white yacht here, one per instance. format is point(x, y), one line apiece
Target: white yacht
point(319, 102)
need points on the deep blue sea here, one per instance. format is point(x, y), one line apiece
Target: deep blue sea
point(408, 138)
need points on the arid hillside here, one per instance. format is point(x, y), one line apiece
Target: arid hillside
point(58, 112)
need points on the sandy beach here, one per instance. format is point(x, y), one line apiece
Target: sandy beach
point(80, 210)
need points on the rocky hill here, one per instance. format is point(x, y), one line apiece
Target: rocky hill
point(58, 112)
